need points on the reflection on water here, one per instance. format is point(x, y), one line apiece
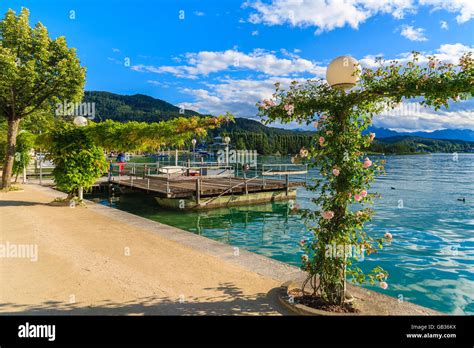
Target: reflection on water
point(431, 259)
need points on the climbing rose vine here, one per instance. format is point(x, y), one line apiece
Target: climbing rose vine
point(339, 151)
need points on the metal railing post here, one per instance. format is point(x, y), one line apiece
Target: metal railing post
point(198, 191)
point(41, 171)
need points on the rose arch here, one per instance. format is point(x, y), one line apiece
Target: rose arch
point(341, 114)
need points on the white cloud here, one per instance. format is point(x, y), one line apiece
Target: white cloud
point(255, 33)
point(199, 13)
point(413, 34)
point(326, 15)
point(465, 8)
point(158, 83)
point(207, 62)
point(459, 116)
point(447, 53)
point(444, 25)
point(236, 96)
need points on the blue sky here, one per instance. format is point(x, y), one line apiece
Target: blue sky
point(217, 56)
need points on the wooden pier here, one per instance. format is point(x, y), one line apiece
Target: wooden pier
point(206, 191)
point(187, 187)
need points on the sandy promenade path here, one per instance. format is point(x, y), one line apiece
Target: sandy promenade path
point(89, 263)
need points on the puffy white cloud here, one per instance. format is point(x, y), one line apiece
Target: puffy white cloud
point(444, 25)
point(448, 53)
point(326, 15)
point(411, 117)
point(413, 34)
point(207, 62)
point(465, 8)
point(238, 96)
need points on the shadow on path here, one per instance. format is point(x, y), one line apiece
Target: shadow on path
point(6, 203)
point(231, 302)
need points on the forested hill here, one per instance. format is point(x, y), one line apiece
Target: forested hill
point(144, 108)
point(136, 107)
point(251, 134)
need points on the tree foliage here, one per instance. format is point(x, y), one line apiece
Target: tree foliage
point(78, 153)
point(36, 73)
point(25, 142)
point(78, 161)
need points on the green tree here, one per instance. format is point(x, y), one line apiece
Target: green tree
point(78, 161)
point(25, 142)
point(36, 73)
point(240, 144)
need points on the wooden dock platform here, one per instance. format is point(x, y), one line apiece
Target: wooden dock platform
point(188, 187)
point(206, 186)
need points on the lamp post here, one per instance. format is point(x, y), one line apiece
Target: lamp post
point(80, 121)
point(227, 141)
point(194, 141)
point(342, 74)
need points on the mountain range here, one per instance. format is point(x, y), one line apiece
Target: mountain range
point(446, 134)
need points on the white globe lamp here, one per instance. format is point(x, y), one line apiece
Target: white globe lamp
point(80, 121)
point(343, 72)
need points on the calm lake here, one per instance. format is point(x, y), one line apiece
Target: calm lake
point(430, 260)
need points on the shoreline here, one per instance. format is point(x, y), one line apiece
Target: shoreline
point(170, 271)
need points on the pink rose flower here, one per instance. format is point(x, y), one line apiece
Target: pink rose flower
point(327, 215)
point(357, 197)
point(388, 235)
point(268, 104)
point(383, 285)
point(335, 172)
point(289, 109)
point(303, 153)
point(302, 242)
point(363, 193)
point(321, 141)
point(367, 162)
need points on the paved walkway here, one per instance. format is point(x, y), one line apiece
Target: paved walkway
point(98, 260)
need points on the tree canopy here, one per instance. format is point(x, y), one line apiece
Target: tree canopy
point(37, 72)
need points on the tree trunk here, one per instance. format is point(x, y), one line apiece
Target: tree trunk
point(13, 125)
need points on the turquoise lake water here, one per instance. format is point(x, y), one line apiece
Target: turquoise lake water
point(430, 260)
